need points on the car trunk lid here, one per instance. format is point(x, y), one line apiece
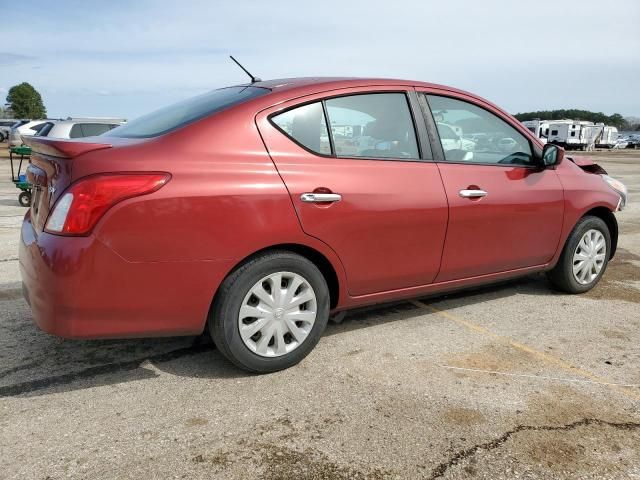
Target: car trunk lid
point(50, 171)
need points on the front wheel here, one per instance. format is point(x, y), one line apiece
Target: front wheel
point(270, 312)
point(584, 258)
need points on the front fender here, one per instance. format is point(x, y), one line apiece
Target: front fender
point(585, 194)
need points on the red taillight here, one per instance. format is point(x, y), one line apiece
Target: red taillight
point(78, 210)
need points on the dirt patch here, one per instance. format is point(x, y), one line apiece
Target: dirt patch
point(196, 422)
point(497, 358)
point(287, 464)
point(555, 452)
point(614, 284)
point(562, 404)
point(221, 459)
point(587, 452)
point(353, 352)
point(463, 416)
point(276, 456)
point(217, 461)
point(615, 334)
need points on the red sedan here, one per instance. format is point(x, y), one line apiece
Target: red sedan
point(258, 210)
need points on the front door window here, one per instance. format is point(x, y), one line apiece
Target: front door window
point(469, 133)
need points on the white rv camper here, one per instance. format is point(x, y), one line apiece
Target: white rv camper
point(540, 128)
point(608, 138)
point(572, 134)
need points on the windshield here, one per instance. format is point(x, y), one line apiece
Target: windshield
point(182, 113)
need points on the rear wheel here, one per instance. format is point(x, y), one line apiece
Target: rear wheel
point(270, 313)
point(24, 199)
point(584, 258)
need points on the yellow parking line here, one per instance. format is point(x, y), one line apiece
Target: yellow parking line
point(545, 357)
point(539, 377)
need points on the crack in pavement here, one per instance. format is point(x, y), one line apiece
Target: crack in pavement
point(441, 469)
point(34, 385)
point(9, 259)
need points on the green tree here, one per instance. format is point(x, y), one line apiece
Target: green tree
point(26, 102)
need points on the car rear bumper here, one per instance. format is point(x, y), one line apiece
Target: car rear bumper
point(78, 287)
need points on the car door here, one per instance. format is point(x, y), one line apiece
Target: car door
point(505, 213)
point(361, 182)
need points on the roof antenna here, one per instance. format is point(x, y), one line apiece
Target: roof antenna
point(253, 79)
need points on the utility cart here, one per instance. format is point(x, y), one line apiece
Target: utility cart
point(17, 177)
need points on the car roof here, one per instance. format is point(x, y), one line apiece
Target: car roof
point(307, 85)
point(283, 89)
point(282, 84)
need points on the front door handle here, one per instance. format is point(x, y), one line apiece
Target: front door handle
point(320, 197)
point(472, 193)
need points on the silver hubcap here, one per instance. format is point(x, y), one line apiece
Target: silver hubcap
point(277, 314)
point(589, 257)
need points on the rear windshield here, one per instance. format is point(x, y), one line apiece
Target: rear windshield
point(180, 114)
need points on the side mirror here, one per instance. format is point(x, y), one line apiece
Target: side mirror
point(551, 155)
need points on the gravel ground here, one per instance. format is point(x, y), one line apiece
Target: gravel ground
point(508, 381)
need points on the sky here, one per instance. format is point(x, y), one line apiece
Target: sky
point(126, 58)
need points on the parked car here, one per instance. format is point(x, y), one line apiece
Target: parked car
point(235, 210)
point(7, 124)
point(621, 143)
point(633, 142)
point(28, 129)
point(78, 127)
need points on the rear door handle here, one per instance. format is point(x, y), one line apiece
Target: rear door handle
point(320, 197)
point(472, 193)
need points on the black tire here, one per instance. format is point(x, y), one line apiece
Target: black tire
point(223, 318)
point(561, 277)
point(24, 199)
point(2, 137)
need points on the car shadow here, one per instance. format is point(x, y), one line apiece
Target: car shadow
point(379, 314)
point(47, 364)
point(11, 203)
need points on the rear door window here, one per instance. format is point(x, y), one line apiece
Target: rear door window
point(375, 125)
point(372, 125)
